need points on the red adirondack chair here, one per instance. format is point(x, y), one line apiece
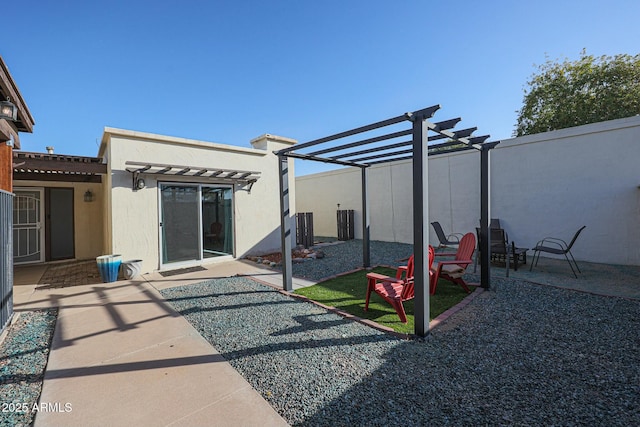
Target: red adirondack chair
point(398, 289)
point(453, 270)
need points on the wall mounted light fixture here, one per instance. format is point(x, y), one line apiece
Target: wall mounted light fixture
point(8, 111)
point(88, 196)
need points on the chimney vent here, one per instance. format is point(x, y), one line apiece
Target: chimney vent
point(49, 150)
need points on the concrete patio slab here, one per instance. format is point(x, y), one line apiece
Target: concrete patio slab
point(122, 356)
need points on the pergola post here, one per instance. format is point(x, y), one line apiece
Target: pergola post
point(285, 224)
point(366, 246)
point(420, 233)
point(485, 236)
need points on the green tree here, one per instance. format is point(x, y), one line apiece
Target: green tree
point(588, 90)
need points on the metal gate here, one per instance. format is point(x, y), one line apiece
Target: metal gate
point(346, 225)
point(304, 229)
point(28, 230)
point(6, 258)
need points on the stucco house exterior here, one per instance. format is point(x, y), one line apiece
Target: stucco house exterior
point(58, 207)
point(175, 202)
point(168, 201)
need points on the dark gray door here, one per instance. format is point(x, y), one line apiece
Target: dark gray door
point(59, 226)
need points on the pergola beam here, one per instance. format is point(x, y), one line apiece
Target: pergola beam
point(364, 142)
point(322, 159)
point(373, 150)
point(340, 135)
point(446, 124)
point(380, 156)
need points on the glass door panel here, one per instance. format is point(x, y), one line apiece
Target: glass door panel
point(217, 221)
point(180, 216)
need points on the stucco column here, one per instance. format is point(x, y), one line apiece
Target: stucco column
point(272, 143)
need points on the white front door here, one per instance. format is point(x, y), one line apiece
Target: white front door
point(28, 225)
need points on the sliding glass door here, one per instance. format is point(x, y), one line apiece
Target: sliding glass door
point(196, 222)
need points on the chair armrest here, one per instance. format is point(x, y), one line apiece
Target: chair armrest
point(553, 241)
point(445, 254)
point(401, 269)
point(456, 261)
point(456, 236)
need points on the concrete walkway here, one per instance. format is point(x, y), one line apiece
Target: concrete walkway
point(122, 356)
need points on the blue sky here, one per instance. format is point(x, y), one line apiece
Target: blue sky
point(228, 71)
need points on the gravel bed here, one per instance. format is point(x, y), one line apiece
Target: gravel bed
point(23, 358)
point(347, 256)
point(521, 354)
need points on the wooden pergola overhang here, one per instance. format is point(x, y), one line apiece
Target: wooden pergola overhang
point(232, 176)
point(425, 138)
point(55, 167)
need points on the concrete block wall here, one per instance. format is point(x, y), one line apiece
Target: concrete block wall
point(548, 184)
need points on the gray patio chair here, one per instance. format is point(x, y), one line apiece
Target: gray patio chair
point(502, 250)
point(556, 246)
point(445, 240)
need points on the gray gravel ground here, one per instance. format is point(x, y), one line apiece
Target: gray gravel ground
point(521, 354)
point(23, 358)
point(347, 256)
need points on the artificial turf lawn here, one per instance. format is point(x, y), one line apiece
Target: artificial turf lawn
point(348, 293)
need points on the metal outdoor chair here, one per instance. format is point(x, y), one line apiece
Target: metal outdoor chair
point(502, 250)
point(556, 246)
point(445, 240)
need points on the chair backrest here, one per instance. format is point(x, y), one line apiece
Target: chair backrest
point(408, 291)
point(410, 268)
point(439, 232)
point(466, 248)
point(495, 223)
point(498, 241)
point(575, 236)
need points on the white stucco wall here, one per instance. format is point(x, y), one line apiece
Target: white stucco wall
point(548, 184)
point(133, 220)
point(87, 216)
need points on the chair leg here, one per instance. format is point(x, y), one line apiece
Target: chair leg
point(462, 283)
point(432, 288)
point(371, 283)
point(399, 308)
point(570, 265)
point(507, 256)
point(433, 281)
point(574, 262)
point(534, 260)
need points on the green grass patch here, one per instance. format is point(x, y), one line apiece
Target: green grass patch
point(348, 293)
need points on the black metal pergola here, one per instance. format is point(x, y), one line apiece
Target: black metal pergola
point(425, 139)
